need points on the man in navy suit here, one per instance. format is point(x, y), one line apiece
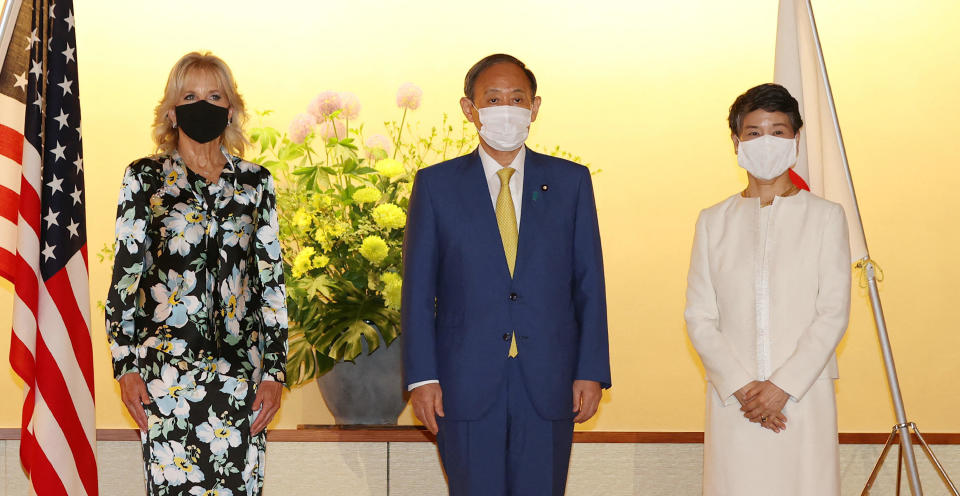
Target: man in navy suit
point(504, 308)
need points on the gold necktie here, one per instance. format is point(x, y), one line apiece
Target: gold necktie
point(507, 222)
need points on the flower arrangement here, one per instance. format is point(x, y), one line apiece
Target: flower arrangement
point(342, 198)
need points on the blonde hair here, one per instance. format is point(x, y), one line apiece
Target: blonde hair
point(166, 136)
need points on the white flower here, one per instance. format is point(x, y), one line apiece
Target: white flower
point(166, 344)
point(274, 306)
point(253, 465)
point(238, 231)
point(234, 386)
point(130, 232)
point(218, 435)
point(172, 465)
point(267, 235)
point(217, 491)
point(173, 392)
point(233, 290)
point(186, 226)
point(175, 300)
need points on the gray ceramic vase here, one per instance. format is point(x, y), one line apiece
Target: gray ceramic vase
point(368, 391)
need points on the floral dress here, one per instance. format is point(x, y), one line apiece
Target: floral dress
point(197, 307)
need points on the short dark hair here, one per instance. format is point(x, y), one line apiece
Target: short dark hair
point(770, 97)
point(489, 60)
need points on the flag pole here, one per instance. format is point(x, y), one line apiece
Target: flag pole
point(902, 428)
point(7, 23)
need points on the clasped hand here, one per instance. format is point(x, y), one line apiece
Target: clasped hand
point(762, 402)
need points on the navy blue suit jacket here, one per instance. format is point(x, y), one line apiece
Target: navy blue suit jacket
point(460, 303)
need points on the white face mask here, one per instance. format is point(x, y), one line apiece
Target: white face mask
point(768, 156)
point(504, 127)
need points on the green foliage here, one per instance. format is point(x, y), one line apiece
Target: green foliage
point(342, 255)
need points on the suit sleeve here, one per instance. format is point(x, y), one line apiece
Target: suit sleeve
point(702, 315)
point(419, 293)
point(590, 298)
point(817, 344)
point(133, 220)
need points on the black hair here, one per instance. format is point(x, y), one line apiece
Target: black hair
point(490, 60)
point(770, 97)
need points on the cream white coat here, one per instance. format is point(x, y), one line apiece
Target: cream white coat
point(770, 309)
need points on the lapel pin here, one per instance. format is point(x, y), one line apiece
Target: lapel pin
point(544, 187)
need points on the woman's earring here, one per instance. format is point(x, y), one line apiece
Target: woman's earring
point(174, 125)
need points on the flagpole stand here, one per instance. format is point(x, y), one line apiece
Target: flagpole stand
point(901, 430)
point(894, 434)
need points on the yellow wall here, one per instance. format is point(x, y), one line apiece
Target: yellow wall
point(639, 89)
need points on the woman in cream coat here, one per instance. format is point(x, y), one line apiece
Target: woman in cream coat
point(768, 297)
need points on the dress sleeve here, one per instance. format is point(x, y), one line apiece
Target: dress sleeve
point(269, 266)
point(130, 252)
point(702, 314)
point(817, 344)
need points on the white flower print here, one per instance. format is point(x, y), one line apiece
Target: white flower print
point(238, 231)
point(130, 232)
point(217, 491)
point(172, 465)
point(185, 227)
point(233, 290)
point(267, 235)
point(173, 392)
point(209, 367)
point(175, 300)
point(253, 469)
point(166, 344)
point(219, 435)
point(274, 306)
point(234, 386)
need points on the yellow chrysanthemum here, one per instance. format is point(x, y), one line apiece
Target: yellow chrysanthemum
point(302, 219)
point(366, 195)
point(320, 200)
point(392, 285)
point(338, 229)
point(303, 261)
point(389, 216)
point(389, 167)
point(374, 249)
point(321, 261)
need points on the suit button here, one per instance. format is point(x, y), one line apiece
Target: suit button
point(513, 296)
point(506, 336)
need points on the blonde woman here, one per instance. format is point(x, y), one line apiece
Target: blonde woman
point(196, 313)
point(768, 298)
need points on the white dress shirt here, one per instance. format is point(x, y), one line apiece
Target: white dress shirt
point(490, 168)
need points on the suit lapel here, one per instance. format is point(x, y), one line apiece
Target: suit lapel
point(481, 218)
point(531, 209)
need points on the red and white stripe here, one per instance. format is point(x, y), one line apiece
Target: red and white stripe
point(50, 348)
point(11, 154)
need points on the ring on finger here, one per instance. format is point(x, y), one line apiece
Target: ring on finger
point(763, 419)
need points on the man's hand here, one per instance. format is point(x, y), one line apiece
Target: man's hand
point(586, 399)
point(765, 400)
point(268, 402)
point(427, 403)
point(133, 392)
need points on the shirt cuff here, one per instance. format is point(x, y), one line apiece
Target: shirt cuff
point(415, 385)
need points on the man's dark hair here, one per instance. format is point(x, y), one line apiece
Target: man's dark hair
point(770, 97)
point(489, 60)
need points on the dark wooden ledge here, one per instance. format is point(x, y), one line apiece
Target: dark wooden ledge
point(416, 434)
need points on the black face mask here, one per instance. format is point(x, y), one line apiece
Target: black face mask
point(202, 121)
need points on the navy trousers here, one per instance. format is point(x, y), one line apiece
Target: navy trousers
point(511, 450)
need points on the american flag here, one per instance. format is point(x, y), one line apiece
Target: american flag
point(43, 248)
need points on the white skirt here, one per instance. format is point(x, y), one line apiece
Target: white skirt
point(741, 458)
